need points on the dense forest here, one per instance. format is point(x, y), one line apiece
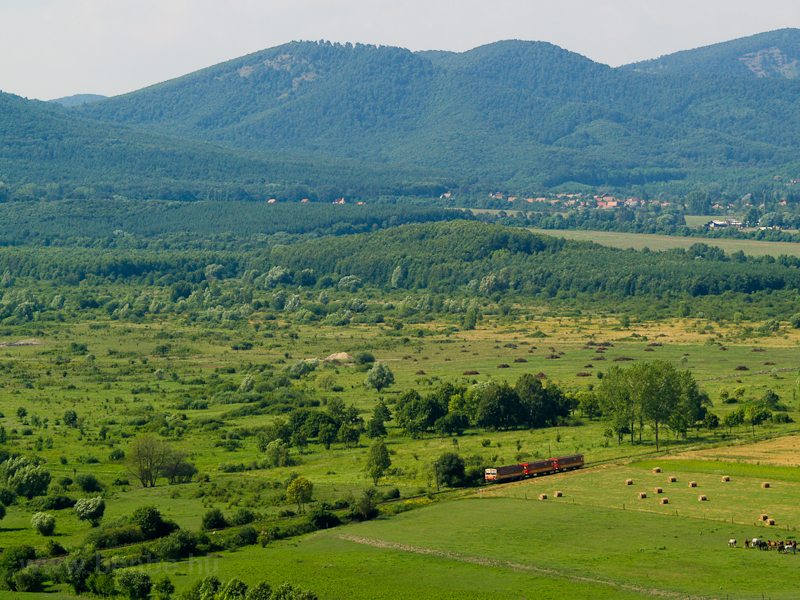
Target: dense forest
point(444, 267)
point(47, 154)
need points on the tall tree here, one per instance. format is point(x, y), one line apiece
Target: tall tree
point(300, 492)
point(147, 458)
point(378, 460)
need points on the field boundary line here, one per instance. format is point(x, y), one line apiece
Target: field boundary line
point(504, 564)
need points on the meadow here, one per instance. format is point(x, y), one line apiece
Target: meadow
point(640, 241)
point(209, 368)
point(117, 385)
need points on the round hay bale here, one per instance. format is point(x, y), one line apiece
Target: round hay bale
point(725, 478)
point(770, 522)
point(672, 479)
point(765, 484)
point(702, 498)
point(692, 484)
point(629, 482)
point(658, 491)
point(664, 501)
point(542, 496)
point(558, 494)
point(656, 469)
point(642, 495)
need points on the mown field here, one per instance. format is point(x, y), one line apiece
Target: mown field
point(639, 241)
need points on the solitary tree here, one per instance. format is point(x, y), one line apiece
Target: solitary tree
point(90, 509)
point(177, 469)
point(300, 492)
point(147, 458)
point(378, 460)
point(379, 376)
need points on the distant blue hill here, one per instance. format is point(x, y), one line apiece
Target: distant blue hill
point(78, 99)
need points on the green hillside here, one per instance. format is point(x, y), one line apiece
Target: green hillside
point(513, 113)
point(49, 153)
point(774, 54)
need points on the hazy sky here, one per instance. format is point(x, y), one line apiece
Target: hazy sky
point(55, 48)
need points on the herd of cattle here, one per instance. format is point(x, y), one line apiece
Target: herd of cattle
point(780, 546)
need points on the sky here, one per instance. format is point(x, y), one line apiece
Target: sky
point(55, 48)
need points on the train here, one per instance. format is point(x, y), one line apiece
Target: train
point(532, 469)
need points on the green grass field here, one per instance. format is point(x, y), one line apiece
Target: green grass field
point(639, 241)
point(510, 548)
point(582, 545)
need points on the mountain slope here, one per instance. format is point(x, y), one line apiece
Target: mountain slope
point(512, 113)
point(43, 145)
point(775, 54)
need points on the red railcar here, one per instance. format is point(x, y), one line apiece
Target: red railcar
point(539, 467)
point(507, 473)
point(567, 463)
point(532, 469)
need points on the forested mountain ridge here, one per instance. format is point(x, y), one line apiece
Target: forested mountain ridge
point(515, 113)
point(49, 153)
point(774, 54)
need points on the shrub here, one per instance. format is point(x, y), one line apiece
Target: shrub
point(150, 522)
point(53, 502)
point(111, 536)
point(116, 454)
point(234, 589)
point(363, 358)
point(44, 523)
point(245, 536)
point(90, 509)
point(243, 516)
point(178, 544)
point(29, 579)
point(451, 469)
point(260, 591)
point(391, 494)
point(88, 483)
point(134, 584)
point(7, 496)
point(53, 549)
point(213, 519)
point(321, 517)
point(781, 417)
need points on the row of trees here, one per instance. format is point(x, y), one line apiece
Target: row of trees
point(654, 394)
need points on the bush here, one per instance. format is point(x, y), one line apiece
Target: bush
point(90, 509)
point(29, 579)
point(245, 536)
point(53, 502)
point(43, 523)
point(451, 469)
point(116, 454)
point(88, 483)
point(178, 544)
point(213, 519)
point(53, 549)
point(134, 584)
point(321, 517)
point(391, 494)
point(7, 496)
point(119, 535)
point(363, 358)
point(243, 516)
